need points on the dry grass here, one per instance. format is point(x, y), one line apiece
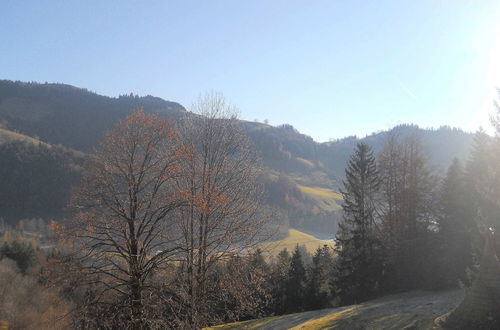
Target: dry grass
point(328, 320)
point(295, 237)
point(411, 310)
point(326, 199)
point(8, 136)
point(309, 164)
point(252, 324)
point(320, 192)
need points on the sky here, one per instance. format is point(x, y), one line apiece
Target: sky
point(329, 68)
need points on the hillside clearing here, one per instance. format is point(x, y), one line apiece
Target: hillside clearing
point(320, 192)
point(411, 310)
point(295, 237)
point(9, 136)
point(326, 199)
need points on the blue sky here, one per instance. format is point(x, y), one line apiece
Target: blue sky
point(329, 68)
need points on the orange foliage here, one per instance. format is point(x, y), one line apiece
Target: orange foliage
point(54, 227)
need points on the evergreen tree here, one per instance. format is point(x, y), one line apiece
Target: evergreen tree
point(257, 261)
point(479, 309)
point(480, 178)
point(483, 183)
point(22, 254)
point(358, 267)
point(279, 275)
point(295, 283)
point(319, 279)
point(456, 228)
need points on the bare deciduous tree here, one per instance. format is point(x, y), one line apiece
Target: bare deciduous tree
point(153, 194)
point(222, 216)
point(121, 225)
point(407, 215)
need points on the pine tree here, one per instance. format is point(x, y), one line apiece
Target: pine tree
point(295, 283)
point(483, 181)
point(456, 228)
point(319, 279)
point(257, 261)
point(479, 309)
point(22, 254)
point(279, 274)
point(480, 178)
point(358, 266)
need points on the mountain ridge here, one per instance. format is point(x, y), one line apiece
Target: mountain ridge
point(77, 118)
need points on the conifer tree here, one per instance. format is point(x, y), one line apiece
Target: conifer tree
point(319, 279)
point(480, 178)
point(257, 261)
point(295, 283)
point(456, 228)
point(279, 274)
point(22, 254)
point(479, 309)
point(358, 266)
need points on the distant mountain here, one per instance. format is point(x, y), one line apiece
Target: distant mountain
point(302, 176)
point(441, 145)
point(285, 149)
point(70, 116)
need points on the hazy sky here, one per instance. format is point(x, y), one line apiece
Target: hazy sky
point(329, 68)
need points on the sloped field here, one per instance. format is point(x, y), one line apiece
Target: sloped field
point(295, 237)
point(8, 136)
point(327, 199)
point(411, 310)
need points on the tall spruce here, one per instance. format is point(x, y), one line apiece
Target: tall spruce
point(479, 309)
point(295, 283)
point(279, 274)
point(480, 177)
point(483, 182)
point(319, 279)
point(456, 228)
point(358, 267)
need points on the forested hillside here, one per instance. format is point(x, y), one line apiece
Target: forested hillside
point(36, 179)
point(302, 177)
point(70, 116)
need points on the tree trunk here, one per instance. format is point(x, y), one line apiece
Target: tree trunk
point(136, 304)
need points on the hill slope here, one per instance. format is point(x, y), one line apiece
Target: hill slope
point(411, 310)
point(302, 176)
point(7, 136)
point(36, 178)
point(295, 237)
point(70, 116)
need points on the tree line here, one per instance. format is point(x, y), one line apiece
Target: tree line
point(405, 228)
point(165, 228)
